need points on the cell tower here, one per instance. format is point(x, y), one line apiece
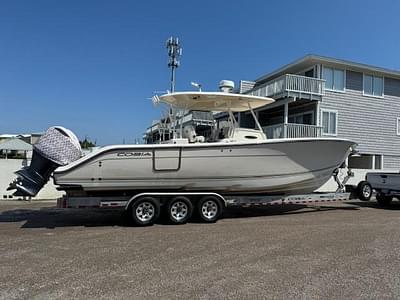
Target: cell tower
point(174, 53)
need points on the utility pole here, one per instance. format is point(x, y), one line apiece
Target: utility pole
point(174, 53)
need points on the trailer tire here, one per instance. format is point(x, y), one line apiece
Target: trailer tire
point(383, 199)
point(364, 190)
point(209, 209)
point(145, 211)
point(179, 210)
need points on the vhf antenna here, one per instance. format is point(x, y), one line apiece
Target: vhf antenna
point(174, 53)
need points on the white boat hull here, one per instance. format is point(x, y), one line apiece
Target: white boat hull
point(281, 166)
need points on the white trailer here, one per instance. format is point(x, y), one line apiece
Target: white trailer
point(145, 208)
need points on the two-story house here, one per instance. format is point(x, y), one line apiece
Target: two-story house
point(322, 96)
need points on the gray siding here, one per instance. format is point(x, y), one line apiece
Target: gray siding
point(369, 121)
point(391, 162)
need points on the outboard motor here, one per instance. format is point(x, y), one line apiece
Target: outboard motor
point(57, 147)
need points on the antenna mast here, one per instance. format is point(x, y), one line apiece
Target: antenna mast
point(174, 53)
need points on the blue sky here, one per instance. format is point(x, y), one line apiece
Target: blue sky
point(91, 65)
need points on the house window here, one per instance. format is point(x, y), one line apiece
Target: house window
point(306, 118)
point(335, 79)
point(378, 162)
point(373, 85)
point(366, 162)
point(329, 122)
point(398, 126)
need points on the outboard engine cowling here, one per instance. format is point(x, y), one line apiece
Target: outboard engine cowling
point(57, 147)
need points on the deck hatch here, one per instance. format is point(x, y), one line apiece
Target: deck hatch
point(167, 159)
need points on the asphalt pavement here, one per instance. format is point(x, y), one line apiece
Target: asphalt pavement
point(346, 251)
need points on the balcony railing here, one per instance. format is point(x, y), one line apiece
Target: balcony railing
point(292, 85)
point(198, 118)
point(292, 130)
point(160, 126)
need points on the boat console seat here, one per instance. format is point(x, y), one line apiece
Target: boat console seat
point(190, 133)
point(199, 139)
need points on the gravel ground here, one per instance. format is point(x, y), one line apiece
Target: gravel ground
point(347, 251)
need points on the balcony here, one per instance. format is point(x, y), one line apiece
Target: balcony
point(202, 118)
point(290, 85)
point(158, 126)
point(292, 130)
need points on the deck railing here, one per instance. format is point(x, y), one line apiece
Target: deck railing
point(290, 83)
point(158, 126)
point(198, 118)
point(292, 130)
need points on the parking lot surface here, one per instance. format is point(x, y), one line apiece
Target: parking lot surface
point(346, 251)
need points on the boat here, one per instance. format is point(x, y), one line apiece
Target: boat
point(234, 161)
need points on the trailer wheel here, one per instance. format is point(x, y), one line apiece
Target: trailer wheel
point(179, 210)
point(209, 209)
point(145, 211)
point(364, 190)
point(383, 200)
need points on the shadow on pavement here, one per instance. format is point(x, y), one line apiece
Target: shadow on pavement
point(395, 205)
point(50, 217)
point(55, 217)
point(287, 209)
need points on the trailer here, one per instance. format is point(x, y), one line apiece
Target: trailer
point(145, 208)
